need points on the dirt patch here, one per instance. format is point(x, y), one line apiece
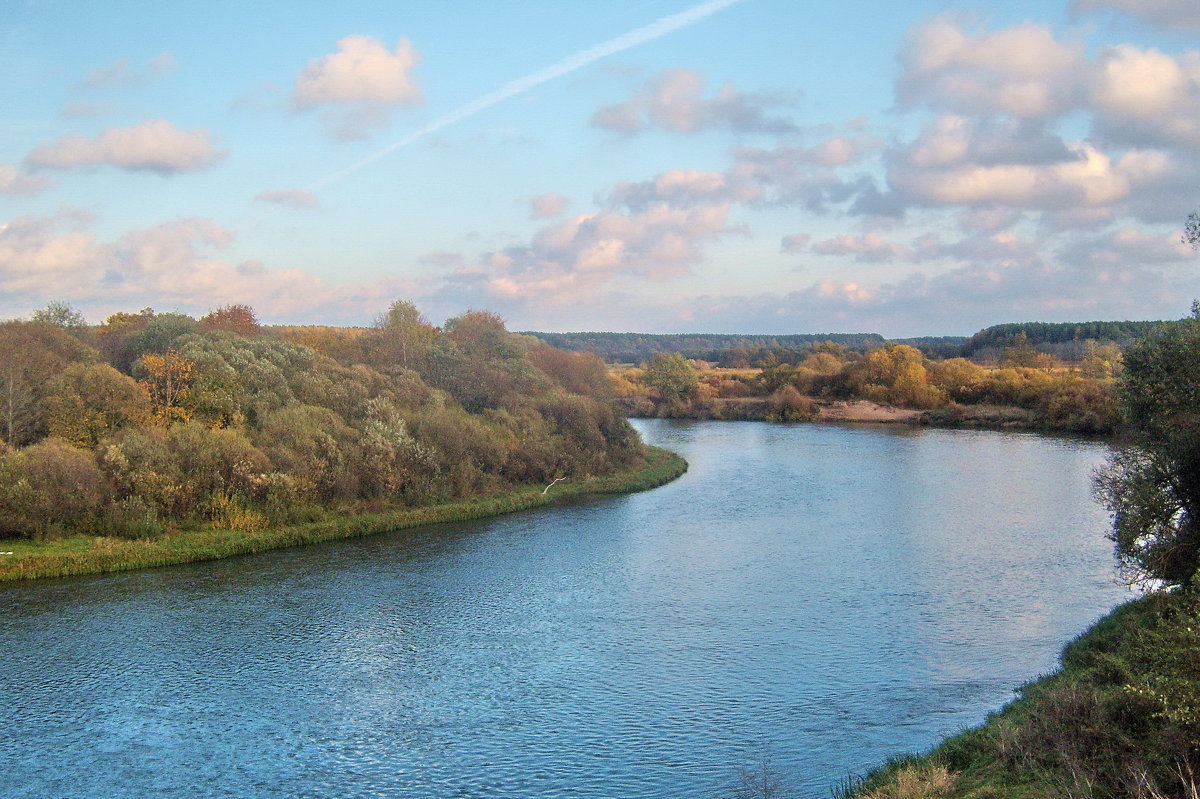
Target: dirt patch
point(865, 411)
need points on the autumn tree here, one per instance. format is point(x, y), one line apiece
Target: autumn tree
point(481, 333)
point(31, 353)
point(168, 378)
point(896, 375)
point(212, 464)
point(114, 336)
point(314, 445)
point(343, 344)
point(49, 487)
point(1100, 361)
point(400, 337)
point(239, 319)
point(1022, 353)
point(789, 405)
point(89, 401)
point(577, 372)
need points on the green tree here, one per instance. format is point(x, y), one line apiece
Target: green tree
point(672, 376)
point(49, 487)
point(400, 338)
point(61, 314)
point(157, 335)
point(88, 401)
point(1022, 353)
point(315, 445)
point(1152, 489)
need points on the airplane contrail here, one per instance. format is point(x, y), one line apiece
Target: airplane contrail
point(646, 33)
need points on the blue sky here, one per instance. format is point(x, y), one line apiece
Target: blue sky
point(747, 166)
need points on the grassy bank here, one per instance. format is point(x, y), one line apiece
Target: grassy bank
point(94, 555)
point(1120, 718)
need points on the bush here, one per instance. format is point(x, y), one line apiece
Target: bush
point(50, 488)
point(789, 405)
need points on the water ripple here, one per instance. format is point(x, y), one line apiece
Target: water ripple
point(831, 596)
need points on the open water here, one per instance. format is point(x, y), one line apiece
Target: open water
point(822, 597)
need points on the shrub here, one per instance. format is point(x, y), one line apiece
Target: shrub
point(789, 405)
point(49, 488)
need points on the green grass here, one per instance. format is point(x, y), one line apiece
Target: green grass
point(80, 555)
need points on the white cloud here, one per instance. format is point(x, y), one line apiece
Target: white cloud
point(547, 206)
point(1022, 70)
point(1125, 247)
point(155, 145)
point(360, 83)
point(289, 198)
point(682, 187)
point(171, 264)
point(866, 248)
point(675, 100)
point(1136, 96)
point(17, 182)
point(1147, 96)
point(571, 259)
point(802, 176)
point(957, 162)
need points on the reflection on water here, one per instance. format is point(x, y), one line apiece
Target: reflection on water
point(831, 595)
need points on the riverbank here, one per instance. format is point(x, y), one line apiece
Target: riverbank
point(80, 555)
point(1120, 717)
point(953, 416)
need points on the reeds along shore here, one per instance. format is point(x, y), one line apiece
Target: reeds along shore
point(80, 555)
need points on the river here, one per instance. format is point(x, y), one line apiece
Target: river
point(821, 596)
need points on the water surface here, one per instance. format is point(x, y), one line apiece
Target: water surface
point(827, 595)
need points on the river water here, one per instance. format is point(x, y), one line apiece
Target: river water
point(819, 596)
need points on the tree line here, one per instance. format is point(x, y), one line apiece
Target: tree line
point(1079, 399)
point(154, 421)
point(1062, 339)
point(729, 350)
point(1043, 333)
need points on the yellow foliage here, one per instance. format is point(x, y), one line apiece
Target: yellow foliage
point(227, 514)
point(169, 381)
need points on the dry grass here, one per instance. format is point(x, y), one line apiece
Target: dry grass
point(918, 781)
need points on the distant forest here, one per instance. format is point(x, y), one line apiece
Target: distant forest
point(1040, 333)
point(1062, 339)
point(639, 347)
